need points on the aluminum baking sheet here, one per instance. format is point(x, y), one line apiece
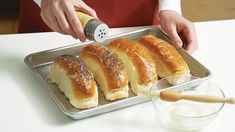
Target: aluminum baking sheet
point(40, 64)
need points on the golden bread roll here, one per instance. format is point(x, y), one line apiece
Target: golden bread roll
point(108, 70)
point(168, 61)
point(138, 61)
point(74, 79)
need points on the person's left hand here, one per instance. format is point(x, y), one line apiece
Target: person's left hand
point(181, 31)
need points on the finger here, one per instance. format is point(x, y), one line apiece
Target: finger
point(191, 46)
point(75, 22)
point(172, 33)
point(191, 40)
point(63, 22)
point(81, 6)
point(45, 19)
point(55, 25)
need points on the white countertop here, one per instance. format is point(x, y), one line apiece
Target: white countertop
point(26, 106)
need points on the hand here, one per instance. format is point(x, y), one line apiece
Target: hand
point(60, 16)
point(181, 31)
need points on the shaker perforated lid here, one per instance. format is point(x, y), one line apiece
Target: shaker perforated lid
point(101, 33)
point(96, 30)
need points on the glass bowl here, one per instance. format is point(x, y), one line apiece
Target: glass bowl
point(187, 115)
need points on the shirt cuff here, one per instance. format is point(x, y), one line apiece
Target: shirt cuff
point(38, 2)
point(173, 5)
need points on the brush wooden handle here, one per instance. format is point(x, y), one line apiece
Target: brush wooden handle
point(208, 99)
point(173, 96)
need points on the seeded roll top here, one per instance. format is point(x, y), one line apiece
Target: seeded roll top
point(75, 80)
point(112, 66)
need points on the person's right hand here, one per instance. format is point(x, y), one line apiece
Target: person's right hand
point(60, 16)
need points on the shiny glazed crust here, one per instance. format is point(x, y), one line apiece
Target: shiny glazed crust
point(167, 59)
point(138, 61)
point(108, 70)
point(73, 78)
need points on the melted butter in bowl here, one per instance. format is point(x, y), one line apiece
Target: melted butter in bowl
point(188, 115)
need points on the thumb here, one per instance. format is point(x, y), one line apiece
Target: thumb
point(173, 35)
point(83, 7)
